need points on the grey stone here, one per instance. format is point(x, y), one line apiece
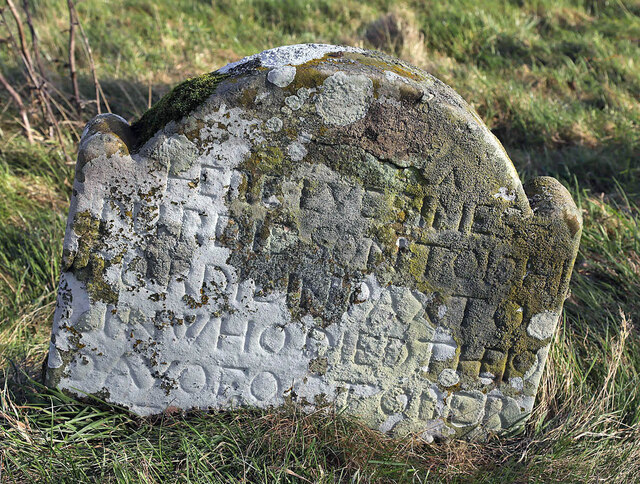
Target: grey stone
point(274, 124)
point(542, 325)
point(448, 377)
point(344, 98)
point(282, 76)
point(324, 225)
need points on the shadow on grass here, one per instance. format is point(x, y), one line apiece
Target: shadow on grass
point(606, 168)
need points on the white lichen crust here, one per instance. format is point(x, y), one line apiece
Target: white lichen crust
point(330, 226)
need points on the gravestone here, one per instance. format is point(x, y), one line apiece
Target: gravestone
point(312, 224)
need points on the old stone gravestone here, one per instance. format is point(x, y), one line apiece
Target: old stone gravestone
point(316, 224)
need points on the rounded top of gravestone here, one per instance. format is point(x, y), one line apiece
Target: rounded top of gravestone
point(395, 110)
point(319, 223)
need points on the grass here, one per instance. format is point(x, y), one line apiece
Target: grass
point(557, 81)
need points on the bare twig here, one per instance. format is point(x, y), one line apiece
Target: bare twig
point(63, 98)
point(46, 84)
point(23, 111)
point(37, 83)
point(135, 109)
point(16, 48)
point(23, 41)
point(139, 93)
point(72, 53)
point(23, 52)
point(92, 66)
point(32, 91)
point(104, 98)
point(34, 39)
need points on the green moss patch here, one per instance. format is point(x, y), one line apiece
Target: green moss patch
point(180, 101)
point(87, 265)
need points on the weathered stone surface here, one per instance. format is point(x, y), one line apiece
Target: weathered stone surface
point(313, 224)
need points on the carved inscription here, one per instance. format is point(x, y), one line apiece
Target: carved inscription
point(343, 231)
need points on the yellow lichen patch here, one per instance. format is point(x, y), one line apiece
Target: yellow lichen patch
point(385, 66)
point(319, 365)
point(418, 265)
point(87, 264)
point(111, 125)
point(97, 287)
point(266, 159)
point(573, 222)
point(86, 229)
point(307, 76)
point(248, 96)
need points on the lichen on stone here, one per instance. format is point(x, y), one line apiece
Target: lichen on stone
point(334, 227)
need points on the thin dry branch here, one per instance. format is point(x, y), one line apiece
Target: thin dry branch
point(47, 86)
point(134, 107)
point(16, 48)
point(23, 40)
point(72, 53)
point(34, 39)
point(56, 107)
point(21, 107)
point(104, 98)
point(37, 81)
point(92, 66)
